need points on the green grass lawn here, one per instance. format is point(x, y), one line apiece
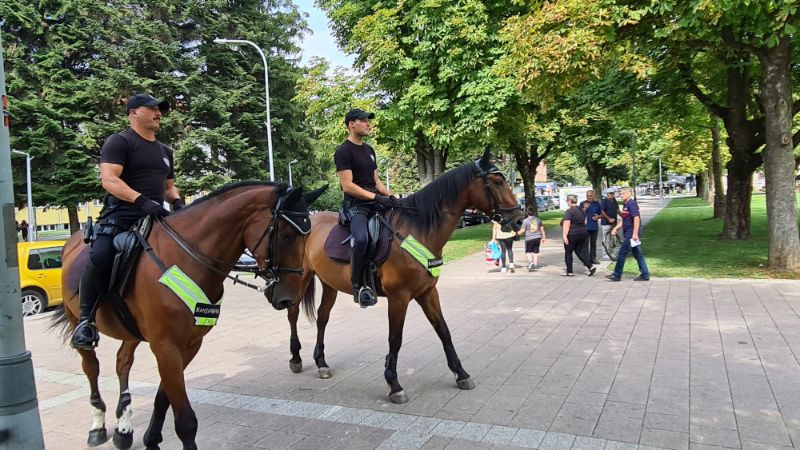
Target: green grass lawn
point(683, 241)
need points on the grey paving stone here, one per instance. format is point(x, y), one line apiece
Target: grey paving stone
point(557, 441)
point(576, 419)
point(377, 418)
point(615, 445)
point(528, 438)
point(623, 409)
point(666, 422)
point(588, 443)
point(713, 436)
point(279, 440)
point(473, 431)
point(619, 428)
point(448, 428)
point(404, 440)
point(423, 425)
point(500, 435)
point(665, 439)
point(436, 443)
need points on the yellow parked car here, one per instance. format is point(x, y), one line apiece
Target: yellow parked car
point(39, 275)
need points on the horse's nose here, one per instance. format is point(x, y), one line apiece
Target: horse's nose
point(283, 304)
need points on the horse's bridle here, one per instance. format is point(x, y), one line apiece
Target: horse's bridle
point(494, 203)
point(299, 220)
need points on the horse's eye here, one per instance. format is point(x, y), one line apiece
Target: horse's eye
point(288, 237)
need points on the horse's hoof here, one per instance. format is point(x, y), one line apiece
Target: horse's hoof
point(324, 372)
point(97, 437)
point(123, 441)
point(398, 397)
point(466, 384)
point(296, 367)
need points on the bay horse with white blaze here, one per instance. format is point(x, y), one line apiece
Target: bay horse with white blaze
point(431, 214)
point(204, 240)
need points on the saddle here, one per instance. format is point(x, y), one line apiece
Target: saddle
point(338, 248)
point(128, 246)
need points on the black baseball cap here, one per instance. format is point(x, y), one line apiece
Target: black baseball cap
point(142, 99)
point(356, 114)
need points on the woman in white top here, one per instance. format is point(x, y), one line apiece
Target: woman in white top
point(506, 240)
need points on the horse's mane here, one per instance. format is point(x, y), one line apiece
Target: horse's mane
point(231, 186)
point(430, 201)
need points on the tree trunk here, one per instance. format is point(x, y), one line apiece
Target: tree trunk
point(702, 185)
point(523, 164)
point(776, 100)
point(716, 170)
point(709, 185)
point(737, 205)
point(74, 223)
point(596, 170)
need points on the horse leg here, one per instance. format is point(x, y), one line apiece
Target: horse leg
point(123, 434)
point(323, 314)
point(433, 311)
point(91, 367)
point(172, 392)
point(397, 318)
point(152, 436)
point(296, 363)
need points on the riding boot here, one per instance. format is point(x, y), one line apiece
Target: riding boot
point(362, 294)
point(93, 285)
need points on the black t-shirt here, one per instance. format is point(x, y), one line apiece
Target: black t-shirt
point(611, 208)
point(147, 165)
point(361, 160)
point(577, 219)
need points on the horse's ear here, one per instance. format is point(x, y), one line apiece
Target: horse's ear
point(313, 195)
point(486, 159)
point(293, 195)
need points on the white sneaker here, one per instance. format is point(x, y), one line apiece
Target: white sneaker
point(503, 270)
point(511, 268)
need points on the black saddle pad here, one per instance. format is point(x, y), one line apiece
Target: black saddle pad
point(337, 251)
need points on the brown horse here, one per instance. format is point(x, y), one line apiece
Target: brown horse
point(431, 216)
point(205, 240)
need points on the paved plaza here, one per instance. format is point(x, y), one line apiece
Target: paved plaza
point(558, 363)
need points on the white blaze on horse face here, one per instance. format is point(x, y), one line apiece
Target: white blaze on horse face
point(125, 424)
point(98, 418)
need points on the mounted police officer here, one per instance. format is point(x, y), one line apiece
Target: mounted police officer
point(364, 194)
point(137, 172)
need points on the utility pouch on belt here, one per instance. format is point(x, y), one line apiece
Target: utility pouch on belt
point(88, 231)
point(344, 213)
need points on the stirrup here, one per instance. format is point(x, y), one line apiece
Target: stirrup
point(83, 340)
point(366, 297)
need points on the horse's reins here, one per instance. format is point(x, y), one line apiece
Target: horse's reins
point(270, 274)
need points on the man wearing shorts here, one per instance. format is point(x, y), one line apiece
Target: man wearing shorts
point(533, 229)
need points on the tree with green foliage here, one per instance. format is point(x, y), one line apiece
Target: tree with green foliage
point(733, 50)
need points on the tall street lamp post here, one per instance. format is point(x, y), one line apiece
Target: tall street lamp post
point(31, 209)
point(632, 134)
point(268, 123)
point(290, 171)
point(20, 424)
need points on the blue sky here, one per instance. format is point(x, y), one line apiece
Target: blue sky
point(321, 42)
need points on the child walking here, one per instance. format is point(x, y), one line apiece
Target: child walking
point(533, 229)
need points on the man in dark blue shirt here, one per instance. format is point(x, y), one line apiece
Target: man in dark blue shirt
point(591, 208)
point(631, 231)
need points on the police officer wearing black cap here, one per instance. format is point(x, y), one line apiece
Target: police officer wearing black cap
point(363, 194)
point(137, 172)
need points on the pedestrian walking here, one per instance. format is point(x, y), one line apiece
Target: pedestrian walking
point(631, 231)
point(23, 228)
point(609, 210)
point(591, 207)
point(533, 229)
point(573, 233)
point(506, 241)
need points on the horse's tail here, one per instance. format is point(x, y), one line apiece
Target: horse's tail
point(61, 323)
point(309, 302)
